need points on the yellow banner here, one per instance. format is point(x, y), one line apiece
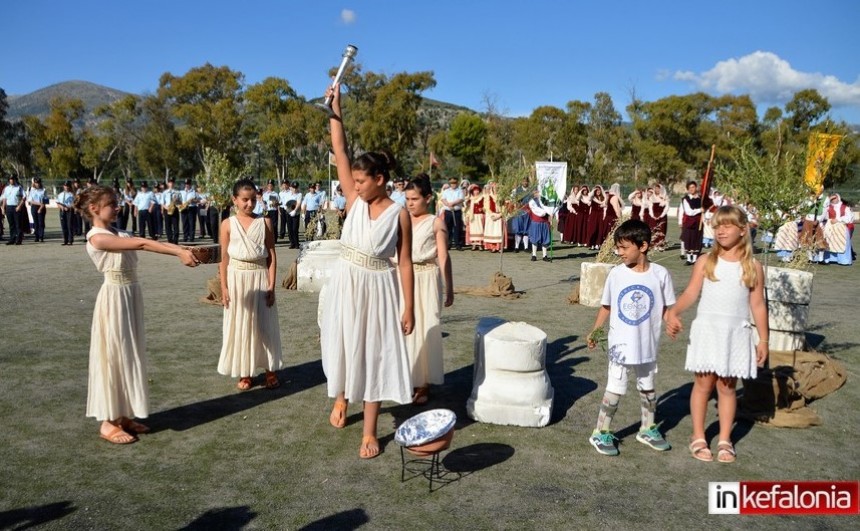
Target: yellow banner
point(822, 146)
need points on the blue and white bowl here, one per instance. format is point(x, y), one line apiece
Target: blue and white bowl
point(425, 427)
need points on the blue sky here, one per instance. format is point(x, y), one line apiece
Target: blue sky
point(522, 54)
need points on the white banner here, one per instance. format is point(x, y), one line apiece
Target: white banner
point(552, 182)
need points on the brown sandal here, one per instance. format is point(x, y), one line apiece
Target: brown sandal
point(245, 383)
point(133, 427)
point(117, 436)
point(272, 381)
point(421, 395)
point(338, 413)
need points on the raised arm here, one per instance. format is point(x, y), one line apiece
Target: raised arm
point(339, 146)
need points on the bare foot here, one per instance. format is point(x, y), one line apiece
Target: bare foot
point(244, 383)
point(369, 447)
point(115, 434)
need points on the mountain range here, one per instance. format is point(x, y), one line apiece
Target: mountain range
point(38, 102)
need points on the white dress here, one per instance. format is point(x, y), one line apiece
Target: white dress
point(117, 376)
point(252, 334)
point(424, 345)
point(721, 339)
point(363, 349)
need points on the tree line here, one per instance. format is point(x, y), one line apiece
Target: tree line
point(269, 131)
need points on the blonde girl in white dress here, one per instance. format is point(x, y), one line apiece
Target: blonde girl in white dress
point(721, 348)
point(252, 334)
point(118, 392)
point(430, 263)
point(363, 323)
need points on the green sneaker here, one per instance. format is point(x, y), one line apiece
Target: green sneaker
point(603, 442)
point(653, 438)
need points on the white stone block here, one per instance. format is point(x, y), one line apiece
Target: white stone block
point(517, 347)
point(510, 384)
point(314, 264)
point(787, 317)
point(788, 285)
point(592, 279)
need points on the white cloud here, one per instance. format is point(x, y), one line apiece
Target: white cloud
point(347, 16)
point(768, 78)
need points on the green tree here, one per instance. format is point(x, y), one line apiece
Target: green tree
point(466, 141)
point(605, 139)
point(206, 101)
point(805, 109)
point(158, 152)
point(115, 139)
point(57, 144)
point(280, 122)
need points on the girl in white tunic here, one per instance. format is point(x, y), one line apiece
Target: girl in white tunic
point(252, 335)
point(721, 348)
point(430, 262)
point(117, 390)
point(363, 323)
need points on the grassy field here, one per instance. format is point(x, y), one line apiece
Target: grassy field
point(218, 459)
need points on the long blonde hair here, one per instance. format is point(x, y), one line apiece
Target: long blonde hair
point(732, 215)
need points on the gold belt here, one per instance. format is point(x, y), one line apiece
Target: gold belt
point(120, 277)
point(423, 266)
point(364, 260)
point(247, 266)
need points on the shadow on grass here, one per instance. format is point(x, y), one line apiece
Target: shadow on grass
point(34, 516)
point(227, 518)
point(346, 520)
point(293, 380)
point(567, 387)
point(673, 406)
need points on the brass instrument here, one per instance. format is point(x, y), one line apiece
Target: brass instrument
point(171, 206)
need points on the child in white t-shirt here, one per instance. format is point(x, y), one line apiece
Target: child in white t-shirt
point(635, 298)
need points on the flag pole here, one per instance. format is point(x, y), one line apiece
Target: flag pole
point(706, 184)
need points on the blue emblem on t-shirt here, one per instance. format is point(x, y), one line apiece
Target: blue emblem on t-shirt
point(635, 304)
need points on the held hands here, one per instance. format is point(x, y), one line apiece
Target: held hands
point(761, 352)
point(673, 325)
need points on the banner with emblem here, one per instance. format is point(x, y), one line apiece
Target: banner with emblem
point(552, 182)
point(822, 147)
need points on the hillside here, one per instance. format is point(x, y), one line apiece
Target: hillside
point(38, 102)
point(93, 95)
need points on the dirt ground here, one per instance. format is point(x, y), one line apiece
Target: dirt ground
point(218, 459)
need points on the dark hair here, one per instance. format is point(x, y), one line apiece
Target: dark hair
point(375, 163)
point(634, 231)
point(691, 182)
point(421, 183)
point(91, 194)
point(243, 184)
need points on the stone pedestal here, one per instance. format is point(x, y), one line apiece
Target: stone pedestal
point(788, 293)
point(313, 266)
point(592, 279)
point(510, 384)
